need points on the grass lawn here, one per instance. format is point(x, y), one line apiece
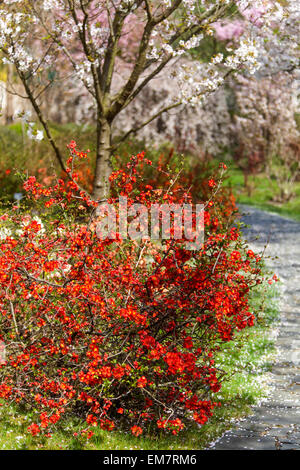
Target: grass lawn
point(263, 192)
point(249, 358)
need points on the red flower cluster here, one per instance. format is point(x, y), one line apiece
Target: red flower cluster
point(117, 332)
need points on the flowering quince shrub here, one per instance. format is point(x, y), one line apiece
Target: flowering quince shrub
point(201, 177)
point(119, 333)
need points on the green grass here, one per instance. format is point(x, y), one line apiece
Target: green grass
point(248, 358)
point(263, 192)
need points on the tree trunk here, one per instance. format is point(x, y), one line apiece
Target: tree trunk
point(103, 161)
point(9, 98)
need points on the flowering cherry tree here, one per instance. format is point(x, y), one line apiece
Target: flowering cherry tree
point(115, 48)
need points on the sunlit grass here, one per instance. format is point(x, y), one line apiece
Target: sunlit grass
point(263, 192)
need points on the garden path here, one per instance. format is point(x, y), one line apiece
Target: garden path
point(275, 423)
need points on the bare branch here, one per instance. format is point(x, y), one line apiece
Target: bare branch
point(141, 59)
point(41, 118)
point(137, 129)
